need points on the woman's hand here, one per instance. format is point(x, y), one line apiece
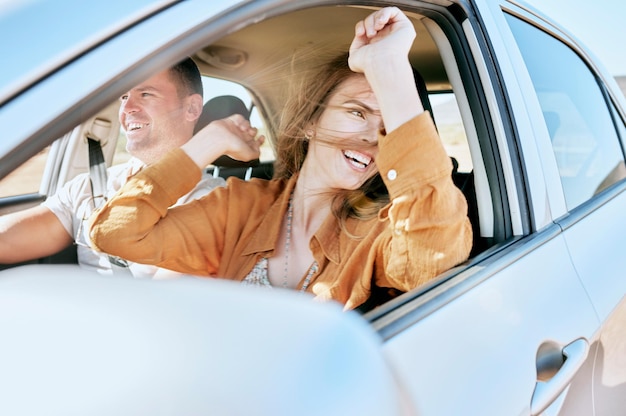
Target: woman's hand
point(232, 136)
point(383, 35)
point(380, 50)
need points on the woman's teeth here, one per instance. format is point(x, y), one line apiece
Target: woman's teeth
point(359, 160)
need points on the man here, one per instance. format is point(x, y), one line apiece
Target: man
point(158, 115)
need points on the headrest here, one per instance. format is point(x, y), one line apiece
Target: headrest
point(221, 107)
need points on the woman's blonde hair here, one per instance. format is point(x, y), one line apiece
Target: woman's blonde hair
point(302, 110)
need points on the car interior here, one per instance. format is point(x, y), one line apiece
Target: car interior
point(265, 58)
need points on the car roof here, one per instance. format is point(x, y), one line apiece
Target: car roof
point(273, 53)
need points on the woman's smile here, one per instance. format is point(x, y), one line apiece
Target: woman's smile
point(357, 160)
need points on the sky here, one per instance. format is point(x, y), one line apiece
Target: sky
point(599, 25)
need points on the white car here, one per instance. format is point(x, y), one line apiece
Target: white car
point(533, 323)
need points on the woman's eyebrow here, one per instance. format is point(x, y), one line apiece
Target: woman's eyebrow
point(363, 105)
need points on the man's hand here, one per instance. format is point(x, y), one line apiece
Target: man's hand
point(232, 136)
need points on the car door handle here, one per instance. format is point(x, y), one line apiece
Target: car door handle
point(561, 368)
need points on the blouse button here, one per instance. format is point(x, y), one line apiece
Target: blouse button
point(392, 174)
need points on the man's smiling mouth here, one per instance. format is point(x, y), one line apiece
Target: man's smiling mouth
point(135, 126)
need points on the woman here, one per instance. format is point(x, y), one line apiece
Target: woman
point(326, 224)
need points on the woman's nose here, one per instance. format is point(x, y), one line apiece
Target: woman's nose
point(371, 137)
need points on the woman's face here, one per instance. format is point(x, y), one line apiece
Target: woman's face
point(344, 145)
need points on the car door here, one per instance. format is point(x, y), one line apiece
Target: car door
point(586, 110)
point(514, 331)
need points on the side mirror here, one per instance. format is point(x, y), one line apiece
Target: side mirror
point(78, 343)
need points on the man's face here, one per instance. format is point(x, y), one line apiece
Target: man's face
point(156, 118)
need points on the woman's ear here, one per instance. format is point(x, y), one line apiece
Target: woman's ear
point(194, 107)
point(309, 132)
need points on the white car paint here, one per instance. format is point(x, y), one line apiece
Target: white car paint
point(471, 343)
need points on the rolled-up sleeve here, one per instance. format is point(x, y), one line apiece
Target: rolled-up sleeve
point(429, 231)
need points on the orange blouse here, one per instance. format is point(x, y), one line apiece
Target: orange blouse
point(420, 234)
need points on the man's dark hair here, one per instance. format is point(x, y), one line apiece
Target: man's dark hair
point(188, 76)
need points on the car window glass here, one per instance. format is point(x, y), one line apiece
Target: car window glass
point(27, 178)
point(213, 87)
point(621, 126)
point(450, 126)
point(584, 139)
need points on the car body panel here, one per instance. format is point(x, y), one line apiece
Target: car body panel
point(602, 273)
point(609, 380)
point(492, 333)
point(590, 231)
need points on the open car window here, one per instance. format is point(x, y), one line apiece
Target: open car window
point(27, 178)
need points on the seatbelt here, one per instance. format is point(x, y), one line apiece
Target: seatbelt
point(98, 179)
point(97, 172)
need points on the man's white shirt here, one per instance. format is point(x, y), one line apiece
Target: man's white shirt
point(73, 204)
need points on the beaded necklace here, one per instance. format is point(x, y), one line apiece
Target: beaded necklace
point(288, 240)
point(312, 269)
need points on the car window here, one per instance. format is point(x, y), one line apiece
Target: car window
point(583, 135)
point(27, 178)
point(621, 126)
point(213, 87)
